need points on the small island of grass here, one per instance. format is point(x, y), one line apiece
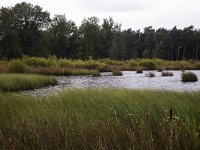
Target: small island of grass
point(16, 82)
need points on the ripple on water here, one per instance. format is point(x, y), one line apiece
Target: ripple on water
point(130, 80)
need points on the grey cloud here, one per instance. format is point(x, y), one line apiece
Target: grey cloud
point(114, 5)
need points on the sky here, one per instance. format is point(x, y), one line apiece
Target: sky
point(135, 14)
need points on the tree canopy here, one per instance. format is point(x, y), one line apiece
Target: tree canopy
point(26, 29)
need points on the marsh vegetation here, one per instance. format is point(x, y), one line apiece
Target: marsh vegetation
point(101, 119)
point(39, 51)
point(16, 82)
point(189, 77)
point(62, 66)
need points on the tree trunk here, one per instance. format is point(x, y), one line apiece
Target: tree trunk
point(178, 53)
point(197, 52)
point(172, 45)
point(183, 57)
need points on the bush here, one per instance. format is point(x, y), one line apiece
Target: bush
point(189, 77)
point(166, 73)
point(117, 73)
point(16, 66)
point(150, 74)
point(148, 65)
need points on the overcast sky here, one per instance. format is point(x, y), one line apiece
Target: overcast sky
point(135, 14)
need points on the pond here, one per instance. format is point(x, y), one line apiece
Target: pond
point(130, 80)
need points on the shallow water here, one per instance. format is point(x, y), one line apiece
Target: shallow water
point(130, 80)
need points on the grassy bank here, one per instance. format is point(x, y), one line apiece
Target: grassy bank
point(56, 66)
point(15, 82)
point(101, 119)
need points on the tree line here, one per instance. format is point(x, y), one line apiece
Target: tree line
point(26, 29)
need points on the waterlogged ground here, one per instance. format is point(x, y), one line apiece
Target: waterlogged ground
point(130, 80)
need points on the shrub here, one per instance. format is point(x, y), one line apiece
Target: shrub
point(166, 73)
point(148, 65)
point(117, 73)
point(16, 66)
point(150, 74)
point(189, 77)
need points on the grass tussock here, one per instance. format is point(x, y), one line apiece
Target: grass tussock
point(101, 119)
point(95, 73)
point(15, 82)
point(117, 73)
point(189, 77)
point(139, 70)
point(166, 73)
point(160, 69)
point(150, 74)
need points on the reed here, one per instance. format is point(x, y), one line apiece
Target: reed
point(100, 119)
point(15, 82)
point(27, 64)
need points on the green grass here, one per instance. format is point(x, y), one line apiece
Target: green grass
point(15, 82)
point(101, 119)
point(61, 71)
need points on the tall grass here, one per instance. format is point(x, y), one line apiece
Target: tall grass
point(101, 119)
point(16, 66)
point(30, 64)
point(15, 82)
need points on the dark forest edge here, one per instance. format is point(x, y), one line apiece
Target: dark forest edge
point(26, 29)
